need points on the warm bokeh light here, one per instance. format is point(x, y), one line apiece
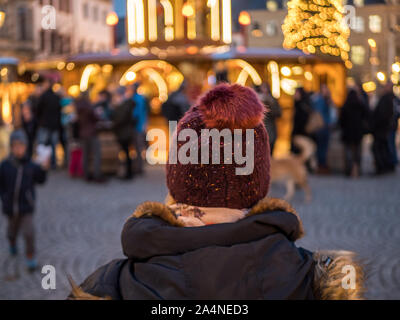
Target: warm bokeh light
point(286, 71)
point(187, 10)
point(372, 43)
point(244, 18)
point(112, 19)
point(2, 18)
point(369, 86)
point(130, 76)
point(396, 67)
point(380, 76)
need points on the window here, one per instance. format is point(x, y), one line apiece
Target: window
point(24, 18)
point(359, 25)
point(271, 28)
point(95, 14)
point(86, 10)
point(375, 23)
point(358, 55)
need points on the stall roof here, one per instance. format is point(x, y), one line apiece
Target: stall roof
point(233, 53)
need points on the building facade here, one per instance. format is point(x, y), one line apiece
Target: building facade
point(374, 38)
point(52, 29)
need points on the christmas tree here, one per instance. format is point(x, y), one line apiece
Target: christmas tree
point(316, 26)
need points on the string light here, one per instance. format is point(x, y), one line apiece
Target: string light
point(316, 26)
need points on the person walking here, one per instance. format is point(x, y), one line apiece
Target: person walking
point(123, 125)
point(219, 235)
point(382, 124)
point(18, 177)
point(353, 117)
point(87, 124)
point(49, 119)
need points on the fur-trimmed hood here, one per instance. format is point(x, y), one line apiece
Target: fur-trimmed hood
point(254, 258)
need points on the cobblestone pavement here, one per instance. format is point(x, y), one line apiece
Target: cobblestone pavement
point(78, 228)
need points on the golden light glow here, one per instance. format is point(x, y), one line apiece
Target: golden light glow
point(160, 83)
point(130, 76)
point(191, 23)
point(316, 25)
point(152, 12)
point(2, 18)
point(380, 76)
point(74, 91)
point(372, 43)
point(247, 70)
point(289, 86)
point(192, 50)
point(369, 86)
point(70, 66)
point(6, 108)
point(179, 21)
point(226, 21)
point(61, 65)
point(286, 71)
point(244, 18)
point(168, 19)
point(187, 10)
point(112, 19)
point(215, 29)
point(308, 75)
point(135, 16)
point(396, 67)
point(4, 72)
point(273, 68)
point(87, 72)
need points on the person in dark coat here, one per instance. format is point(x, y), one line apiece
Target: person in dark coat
point(219, 236)
point(49, 119)
point(302, 111)
point(353, 117)
point(18, 177)
point(87, 124)
point(382, 122)
point(176, 105)
point(123, 125)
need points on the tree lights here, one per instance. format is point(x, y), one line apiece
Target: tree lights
point(316, 26)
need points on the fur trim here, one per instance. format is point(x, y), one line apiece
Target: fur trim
point(275, 204)
point(78, 294)
point(161, 210)
point(232, 107)
point(329, 276)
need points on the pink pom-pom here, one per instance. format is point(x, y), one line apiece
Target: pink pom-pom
point(231, 106)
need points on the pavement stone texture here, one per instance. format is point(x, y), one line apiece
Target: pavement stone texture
point(78, 228)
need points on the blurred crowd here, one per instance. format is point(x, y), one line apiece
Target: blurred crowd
point(54, 118)
point(316, 116)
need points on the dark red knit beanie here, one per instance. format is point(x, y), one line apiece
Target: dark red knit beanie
point(218, 185)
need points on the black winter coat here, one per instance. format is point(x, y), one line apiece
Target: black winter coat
point(123, 123)
point(353, 119)
point(382, 117)
point(255, 258)
point(17, 185)
point(49, 110)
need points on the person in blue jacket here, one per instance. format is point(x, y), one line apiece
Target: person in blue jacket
point(140, 116)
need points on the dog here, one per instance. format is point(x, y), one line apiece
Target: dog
point(292, 169)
